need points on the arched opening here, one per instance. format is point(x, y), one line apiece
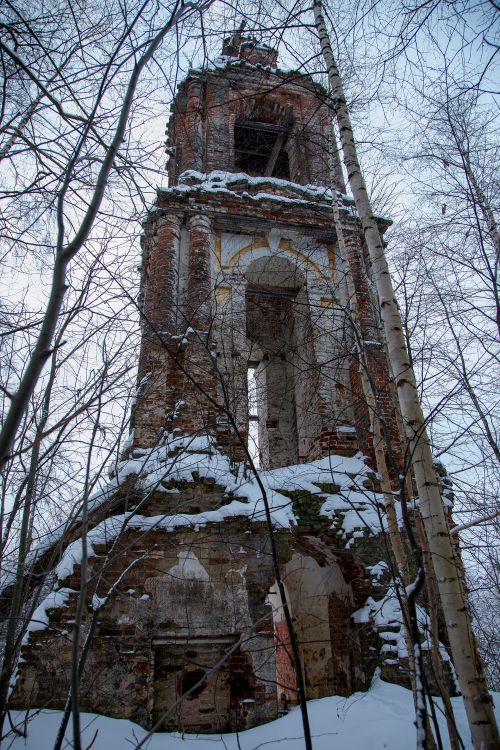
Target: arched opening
point(260, 149)
point(281, 358)
point(321, 602)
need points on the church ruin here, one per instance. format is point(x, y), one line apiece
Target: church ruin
point(247, 356)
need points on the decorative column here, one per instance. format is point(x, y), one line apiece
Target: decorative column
point(199, 372)
point(199, 293)
point(194, 127)
point(159, 291)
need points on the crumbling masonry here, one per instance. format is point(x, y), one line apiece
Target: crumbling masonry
point(240, 273)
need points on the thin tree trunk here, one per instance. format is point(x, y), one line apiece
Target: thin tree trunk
point(479, 197)
point(368, 392)
point(466, 659)
point(461, 367)
point(11, 647)
point(82, 599)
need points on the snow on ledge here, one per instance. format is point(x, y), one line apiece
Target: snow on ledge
point(40, 618)
point(186, 458)
point(219, 181)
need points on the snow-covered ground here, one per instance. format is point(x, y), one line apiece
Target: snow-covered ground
point(380, 719)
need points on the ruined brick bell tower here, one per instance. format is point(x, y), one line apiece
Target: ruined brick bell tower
point(241, 271)
point(246, 344)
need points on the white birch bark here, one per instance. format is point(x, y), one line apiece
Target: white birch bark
point(466, 659)
point(377, 438)
point(378, 443)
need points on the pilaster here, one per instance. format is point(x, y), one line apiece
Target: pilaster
point(159, 285)
point(198, 363)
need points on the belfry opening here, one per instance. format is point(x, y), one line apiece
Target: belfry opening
point(276, 305)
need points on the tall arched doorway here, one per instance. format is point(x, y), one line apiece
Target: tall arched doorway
point(281, 354)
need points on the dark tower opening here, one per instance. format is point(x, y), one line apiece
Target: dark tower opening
point(259, 149)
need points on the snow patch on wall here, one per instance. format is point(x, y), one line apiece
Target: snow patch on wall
point(40, 618)
point(386, 618)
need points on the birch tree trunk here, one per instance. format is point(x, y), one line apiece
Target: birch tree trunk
point(466, 659)
point(368, 390)
point(413, 646)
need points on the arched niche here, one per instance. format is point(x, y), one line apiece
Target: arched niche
point(237, 259)
point(275, 272)
point(322, 602)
